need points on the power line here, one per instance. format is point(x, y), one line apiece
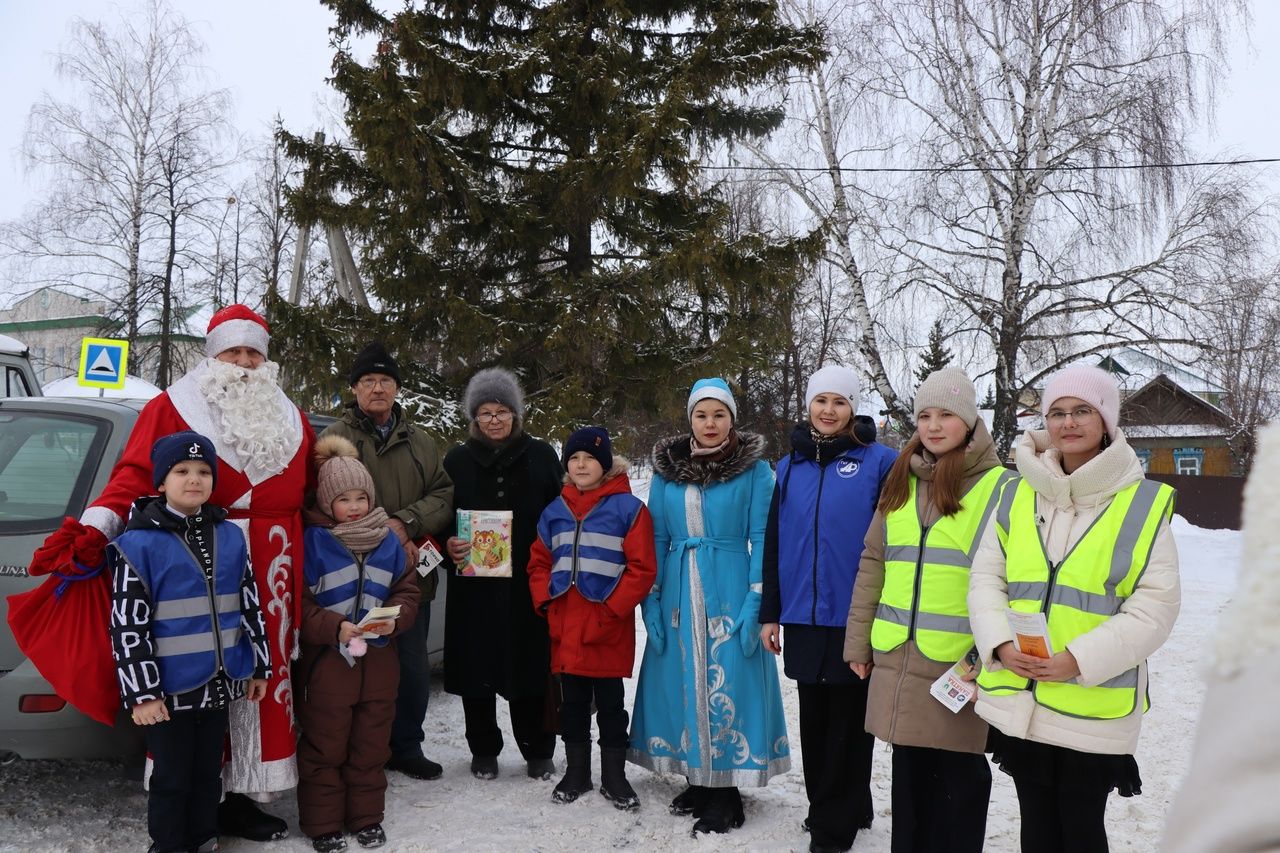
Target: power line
point(938, 170)
point(1068, 167)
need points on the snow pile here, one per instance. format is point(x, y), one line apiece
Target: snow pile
point(84, 806)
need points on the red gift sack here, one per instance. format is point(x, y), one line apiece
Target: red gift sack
point(63, 627)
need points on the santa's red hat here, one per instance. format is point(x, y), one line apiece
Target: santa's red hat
point(236, 326)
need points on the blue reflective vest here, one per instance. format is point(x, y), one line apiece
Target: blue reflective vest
point(195, 625)
point(588, 553)
point(823, 515)
point(347, 585)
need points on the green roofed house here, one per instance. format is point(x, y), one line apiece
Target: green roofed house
point(52, 322)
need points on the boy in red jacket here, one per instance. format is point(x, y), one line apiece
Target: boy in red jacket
point(591, 565)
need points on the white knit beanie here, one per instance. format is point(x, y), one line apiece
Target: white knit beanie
point(950, 389)
point(833, 379)
point(1092, 384)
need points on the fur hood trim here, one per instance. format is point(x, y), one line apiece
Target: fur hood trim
point(621, 465)
point(674, 463)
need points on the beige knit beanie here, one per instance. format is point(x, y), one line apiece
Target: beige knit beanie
point(339, 469)
point(949, 388)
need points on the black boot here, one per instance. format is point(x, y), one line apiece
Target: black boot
point(240, 816)
point(577, 773)
point(723, 812)
point(691, 801)
point(613, 779)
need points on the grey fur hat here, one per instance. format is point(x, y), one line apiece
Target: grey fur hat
point(494, 385)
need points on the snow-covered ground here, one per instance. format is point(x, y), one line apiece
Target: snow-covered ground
point(87, 806)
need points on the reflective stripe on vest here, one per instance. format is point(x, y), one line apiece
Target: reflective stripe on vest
point(924, 594)
point(1086, 589)
point(588, 554)
point(336, 579)
point(195, 628)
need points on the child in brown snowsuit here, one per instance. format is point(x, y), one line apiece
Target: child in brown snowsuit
point(348, 685)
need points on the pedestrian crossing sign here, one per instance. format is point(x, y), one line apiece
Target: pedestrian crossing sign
point(102, 362)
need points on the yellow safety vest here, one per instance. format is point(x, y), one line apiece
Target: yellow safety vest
point(926, 573)
point(1082, 591)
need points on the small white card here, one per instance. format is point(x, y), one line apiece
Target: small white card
point(952, 690)
point(429, 558)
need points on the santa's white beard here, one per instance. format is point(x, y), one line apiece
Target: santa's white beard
point(245, 407)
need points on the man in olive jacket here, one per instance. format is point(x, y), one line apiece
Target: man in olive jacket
point(417, 494)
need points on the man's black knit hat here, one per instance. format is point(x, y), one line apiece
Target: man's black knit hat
point(374, 359)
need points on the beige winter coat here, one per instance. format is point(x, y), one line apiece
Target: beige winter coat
point(1067, 506)
point(899, 707)
point(1227, 800)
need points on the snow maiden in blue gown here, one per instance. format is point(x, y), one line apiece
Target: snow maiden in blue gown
point(708, 705)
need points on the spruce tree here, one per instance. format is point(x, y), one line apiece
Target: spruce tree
point(936, 356)
point(524, 179)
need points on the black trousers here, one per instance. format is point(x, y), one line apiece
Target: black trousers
point(939, 800)
point(527, 713)
point(837, 760)
point(415, 687)
point(186, 778)
point(577, 692)
point(1062, 816)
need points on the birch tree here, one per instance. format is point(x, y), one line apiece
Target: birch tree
point(107, 148)
point(1030, 114)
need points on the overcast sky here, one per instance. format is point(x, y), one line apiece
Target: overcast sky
point(274, 55)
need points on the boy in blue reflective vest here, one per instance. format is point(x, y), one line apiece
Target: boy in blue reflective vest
point(187, 635)
point(348, 685)
point(591, 565)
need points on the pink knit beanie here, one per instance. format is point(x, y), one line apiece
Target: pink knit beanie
point(1092, 384)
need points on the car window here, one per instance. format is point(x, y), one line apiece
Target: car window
point(15, 383)
point(47, 464)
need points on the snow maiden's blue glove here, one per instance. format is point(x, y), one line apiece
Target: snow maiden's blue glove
point(748, 624)
point(651, 610)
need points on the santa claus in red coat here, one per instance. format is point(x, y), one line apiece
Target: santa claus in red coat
point(264, 449)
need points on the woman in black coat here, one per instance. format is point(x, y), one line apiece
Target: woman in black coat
point(495, 644)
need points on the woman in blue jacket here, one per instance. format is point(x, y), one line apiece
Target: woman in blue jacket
point(708, 705)
point(827, 490)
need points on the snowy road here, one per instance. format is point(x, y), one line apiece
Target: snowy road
point(86, 806)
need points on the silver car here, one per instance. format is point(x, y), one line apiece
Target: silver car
point(56, 455)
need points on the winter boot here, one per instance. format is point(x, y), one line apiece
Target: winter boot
point(330, 842)
point(723, 812)
point(240, 816)
point(371, 836)
point(691, 801)
point(540, 768)
point(577, 773)
point(484, 766)
point(613, 779)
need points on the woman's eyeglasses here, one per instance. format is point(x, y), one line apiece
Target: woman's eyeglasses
point(493, 416)
point(1080, 414)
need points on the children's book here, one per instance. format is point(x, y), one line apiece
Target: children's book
point(489, 532)
point(1030, 633)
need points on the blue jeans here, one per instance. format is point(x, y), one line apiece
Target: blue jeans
point(415, 687)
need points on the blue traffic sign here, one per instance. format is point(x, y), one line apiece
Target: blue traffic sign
point(102, 362)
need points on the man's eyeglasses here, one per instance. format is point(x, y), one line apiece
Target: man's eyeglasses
point(1080, 415)
point(368, 383)
point(504, 415)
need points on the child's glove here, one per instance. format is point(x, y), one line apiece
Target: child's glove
point(748, 624)
point(651, 611)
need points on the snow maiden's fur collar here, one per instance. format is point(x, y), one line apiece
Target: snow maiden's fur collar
point(674, 463)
